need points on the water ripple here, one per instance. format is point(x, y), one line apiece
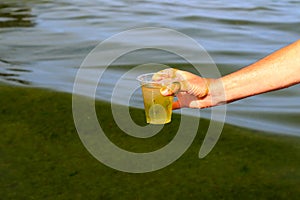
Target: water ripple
point(15, 15)
point(44, 42)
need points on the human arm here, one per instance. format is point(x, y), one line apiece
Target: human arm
point(278, 70)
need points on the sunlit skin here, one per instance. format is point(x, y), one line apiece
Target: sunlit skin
point(278, 70)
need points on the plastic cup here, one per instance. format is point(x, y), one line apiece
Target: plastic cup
point(158, 108)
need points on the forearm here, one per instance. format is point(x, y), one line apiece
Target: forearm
point(278, 70)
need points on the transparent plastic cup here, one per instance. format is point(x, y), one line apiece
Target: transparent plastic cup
point(158, 108)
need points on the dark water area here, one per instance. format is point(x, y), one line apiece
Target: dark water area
point(43, 44)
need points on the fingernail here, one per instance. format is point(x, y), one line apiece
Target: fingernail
point(165, 91)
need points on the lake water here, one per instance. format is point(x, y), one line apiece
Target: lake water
point(44, 42)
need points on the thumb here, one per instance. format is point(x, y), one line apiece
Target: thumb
point(171, 89)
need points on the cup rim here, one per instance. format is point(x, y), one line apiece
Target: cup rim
point(139, 78)
point(143, 75)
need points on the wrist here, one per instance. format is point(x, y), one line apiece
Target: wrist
point(216, 91)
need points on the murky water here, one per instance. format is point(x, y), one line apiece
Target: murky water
point(44, 42)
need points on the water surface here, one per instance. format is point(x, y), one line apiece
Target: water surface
point(43, 43)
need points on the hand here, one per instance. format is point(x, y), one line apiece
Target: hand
point(276, 71)
point(192, 91)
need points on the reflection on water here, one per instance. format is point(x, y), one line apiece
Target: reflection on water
point(10, 72)
point(15, 15)
point(43, 42)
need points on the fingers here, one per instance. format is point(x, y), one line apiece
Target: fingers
point(170, 89)
point(168, 79)
point(176, 105)
point(199, 104)
point(165, 74)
